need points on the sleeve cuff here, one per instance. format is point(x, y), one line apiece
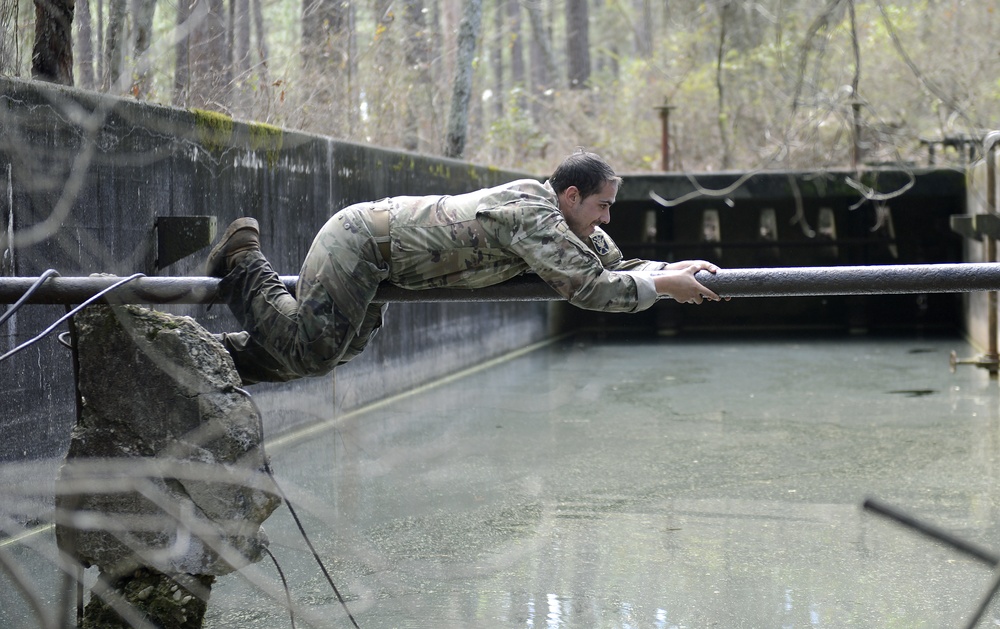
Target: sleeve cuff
point(645, 287)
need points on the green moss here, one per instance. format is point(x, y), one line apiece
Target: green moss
point(405, 163)
point(269, 138)
point(440, 170)
point(215, 130)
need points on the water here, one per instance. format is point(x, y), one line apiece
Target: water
point(645, 483)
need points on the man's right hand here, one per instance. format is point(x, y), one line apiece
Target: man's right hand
point(678, 282)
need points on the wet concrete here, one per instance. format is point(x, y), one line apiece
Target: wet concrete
point(645, 483)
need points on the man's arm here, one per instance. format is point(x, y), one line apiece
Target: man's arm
point(671, 279)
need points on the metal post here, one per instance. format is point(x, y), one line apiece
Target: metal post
point(984, 227)
point(664, 110)
point(991, 256)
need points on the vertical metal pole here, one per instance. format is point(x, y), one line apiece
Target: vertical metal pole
point(991, 256)
point(664, 110)
point(856, 135)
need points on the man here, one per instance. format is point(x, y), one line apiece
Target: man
point(463, 241)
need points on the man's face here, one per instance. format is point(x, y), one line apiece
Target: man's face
point(584, 214)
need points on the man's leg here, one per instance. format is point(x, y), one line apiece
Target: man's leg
point(271, 347)
point(253, 362)
point(309, 335)
point(369, 328)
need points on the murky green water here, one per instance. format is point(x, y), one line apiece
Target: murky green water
point(652, 483)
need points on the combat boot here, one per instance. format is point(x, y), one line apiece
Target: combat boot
point(241, 237)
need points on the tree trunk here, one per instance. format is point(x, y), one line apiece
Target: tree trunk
point(458, 120)
point(99, 46)
point(240, 29)
point(721, 118)
point(500, 27)
point(208, 54)
point(182, 66)
point(419, 86)
point(577, 43)
point(84, 45)
point(543, 65)
point(142, 17)
point(10, 50)
point(52, 54)
point(239, 56)
point(644, 29)
point(114, 44)
point(259, 67)
point(517, 77)
point(328, 40)
point(329, 63)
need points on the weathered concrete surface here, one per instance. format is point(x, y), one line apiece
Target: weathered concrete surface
point(165, 466)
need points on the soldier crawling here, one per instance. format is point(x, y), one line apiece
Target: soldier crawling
point(463, 241)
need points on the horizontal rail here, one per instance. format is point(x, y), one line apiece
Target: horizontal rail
point(761, 282)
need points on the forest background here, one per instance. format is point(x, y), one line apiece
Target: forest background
point(768, 84)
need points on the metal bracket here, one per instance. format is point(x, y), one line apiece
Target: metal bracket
point(177, 237)
point(975, 226)
point(990, 362)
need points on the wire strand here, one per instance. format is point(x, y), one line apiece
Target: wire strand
point(288, 593)
point(28, 293)
point(298, 523)
point(69, 314)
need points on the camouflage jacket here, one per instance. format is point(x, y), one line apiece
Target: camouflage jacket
point(488, 236)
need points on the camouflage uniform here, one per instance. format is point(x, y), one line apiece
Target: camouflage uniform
point(464, 241)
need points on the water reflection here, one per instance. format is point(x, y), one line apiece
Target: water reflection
point(559, 612)
point(689, 485)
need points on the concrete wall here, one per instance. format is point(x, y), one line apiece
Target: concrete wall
point(84, 179)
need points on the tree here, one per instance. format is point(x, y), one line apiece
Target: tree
point(201, 58)
point(114, 46)
point(458, 120)
point(500, 27)
point(577, 43)
point(328, 59)
point(419, 86)
point(517, 77)
point(10, 49)
point(726, 10)
point(543, 64)
point(85, 45)
point(52, 54)
point(143, 25)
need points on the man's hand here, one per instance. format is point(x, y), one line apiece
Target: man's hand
point(677, 281)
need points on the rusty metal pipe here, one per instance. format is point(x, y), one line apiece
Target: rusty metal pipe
point(760, 282)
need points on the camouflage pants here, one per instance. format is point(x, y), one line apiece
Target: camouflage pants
point(331, 318)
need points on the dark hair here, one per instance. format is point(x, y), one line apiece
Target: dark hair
point(588, 172)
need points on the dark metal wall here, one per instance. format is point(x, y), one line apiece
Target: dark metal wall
point(92, 174)
point(773, 219)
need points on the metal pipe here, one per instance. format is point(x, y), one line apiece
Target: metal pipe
point(761, 282)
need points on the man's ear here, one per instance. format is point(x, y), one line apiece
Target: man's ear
point(571, 195)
